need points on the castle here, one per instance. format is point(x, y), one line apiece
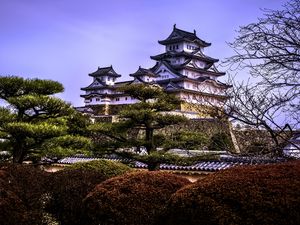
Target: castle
point(183, 69)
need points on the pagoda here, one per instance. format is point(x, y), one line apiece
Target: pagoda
point(183, 69)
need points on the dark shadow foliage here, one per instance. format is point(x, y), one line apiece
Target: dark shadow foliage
point(220, 142)
point(264, 195)
point(132, 199)
point(68, 187)
point(22, 194)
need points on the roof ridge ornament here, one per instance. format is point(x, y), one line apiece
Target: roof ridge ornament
point(194, 31)
point(174, 26)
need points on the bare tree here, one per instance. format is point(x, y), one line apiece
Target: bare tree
point(251, 105)
point(270, 50)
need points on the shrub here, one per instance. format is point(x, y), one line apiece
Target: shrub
point(70, 186)
point(29, 183)
point(187, 140)
point(265, 195)
point(132, 199)
point(220, 142)
point(12, 208)
point(105, 167)
point(21, 192)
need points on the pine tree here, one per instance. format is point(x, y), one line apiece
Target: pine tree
point(150, 113)
point(34, 123)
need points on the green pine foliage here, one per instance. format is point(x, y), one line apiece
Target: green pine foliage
point(106, 167)
point(187, 140)
point(220, 142)
point(34, 123)
point(151, 113)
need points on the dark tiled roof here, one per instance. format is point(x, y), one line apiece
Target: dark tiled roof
point(224, 97)
point(292, 149)
point(167, 64)
point(171, 54)
point(102, 95)
point(178, 35)
point(172, 86)
point(198, 80)
point(143, 72)
point(200, 70)
point(210, 166)
point(105, 71)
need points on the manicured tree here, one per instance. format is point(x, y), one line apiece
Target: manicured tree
point(132, 199)
point(150, 113)
point(33, 119)
point(263, 194)
point(69, 187)
point(187, 140)
point(220, 142)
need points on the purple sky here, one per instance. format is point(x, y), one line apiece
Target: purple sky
point(64, 40)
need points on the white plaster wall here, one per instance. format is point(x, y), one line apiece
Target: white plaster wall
point(180, 47)
point(185, 46)
point(123, 101)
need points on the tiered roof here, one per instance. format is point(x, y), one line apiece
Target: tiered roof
point(195, 61)
point(143, 72)
point(178, 35)
point(105, 71)
point(194, 55)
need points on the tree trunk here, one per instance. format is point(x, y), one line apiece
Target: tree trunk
point(18, 152)
point(153, 166)
point(149, 140)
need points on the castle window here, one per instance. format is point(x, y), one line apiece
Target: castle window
point(176, 46)
point(97, 99)
point(125, 98)
point(117, 99)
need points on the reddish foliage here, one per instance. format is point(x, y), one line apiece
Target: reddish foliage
point(12, 208)
point(265, 195)
point(67, 189)
point(132, 199)
point(29, 183)
point(21, 189)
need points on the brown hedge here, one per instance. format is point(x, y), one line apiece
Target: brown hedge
point(30, 183)
point(68, 188)
point(22, 189)
point(132, 199)
point(264, 195)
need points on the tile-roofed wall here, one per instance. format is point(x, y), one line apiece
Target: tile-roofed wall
point(225, 162)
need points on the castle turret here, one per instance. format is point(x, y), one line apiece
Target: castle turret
point(183, 69)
